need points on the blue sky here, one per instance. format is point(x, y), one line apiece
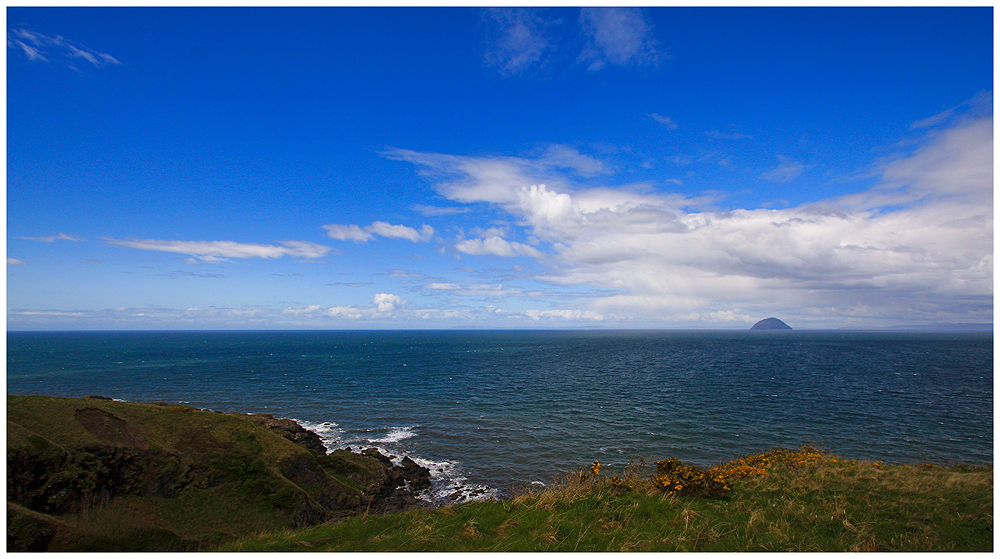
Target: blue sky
point(195, 168)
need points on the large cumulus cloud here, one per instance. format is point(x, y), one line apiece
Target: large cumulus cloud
point(916, 246)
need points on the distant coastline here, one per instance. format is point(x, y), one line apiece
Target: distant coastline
point(935, 327)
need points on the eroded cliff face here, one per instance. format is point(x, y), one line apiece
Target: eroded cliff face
point(92, 473)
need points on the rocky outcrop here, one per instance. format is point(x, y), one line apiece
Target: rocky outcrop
point(290, 430)
point(399, 486)
point(770, 324)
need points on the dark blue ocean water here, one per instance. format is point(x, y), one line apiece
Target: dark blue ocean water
point(494, 409)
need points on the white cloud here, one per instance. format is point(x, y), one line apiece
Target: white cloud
point(347, 233)
point(401, 231)
point(213, 251)
point(520, 184)
point(951, 162)
point(916, 247)
point(44, 48)
point(495, 246)
point(381, 228)
point(15, 262)
point(618, 36)
point(387, 302)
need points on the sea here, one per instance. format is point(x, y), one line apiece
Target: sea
point(496, 412)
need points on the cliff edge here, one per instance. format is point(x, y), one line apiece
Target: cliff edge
point(92, 474)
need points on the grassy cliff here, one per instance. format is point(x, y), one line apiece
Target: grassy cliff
point(95, 474)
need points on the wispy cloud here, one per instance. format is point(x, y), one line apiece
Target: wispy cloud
point(53, 238)
point(568, 157)
point(516, 39)
point(215, 251)
point(619, 36)
point(439, 211)
point(981, 102)
point(717, 135)
point(525, 41)
point(44, 48)
point(664, 120)
point(380, 228)
point(179, 273)
point(15, 262)
point(787, 171)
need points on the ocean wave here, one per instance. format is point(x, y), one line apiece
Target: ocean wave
point(395, 435)
point(449, 483)
point(329, 432)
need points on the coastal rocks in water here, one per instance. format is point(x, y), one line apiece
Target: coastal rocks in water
point(408, 473)
point(417, 476)
point(770, 324)
point(390, 487)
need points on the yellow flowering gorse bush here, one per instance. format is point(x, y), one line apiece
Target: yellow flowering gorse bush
point(677, 478)
point(759, 464)
point(674, 477)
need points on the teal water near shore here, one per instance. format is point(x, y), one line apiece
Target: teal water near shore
point(490, 410)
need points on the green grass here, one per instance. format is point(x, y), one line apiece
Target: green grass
point(227, 483)
point(828, 504)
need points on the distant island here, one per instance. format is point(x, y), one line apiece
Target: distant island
point(770, 324)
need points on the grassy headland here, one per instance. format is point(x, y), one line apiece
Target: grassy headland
point(95, 474)
point(87, 474)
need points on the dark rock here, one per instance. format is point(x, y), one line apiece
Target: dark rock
point(770, 324)
point(416, 475)
point(374, 453)
point(292, 431)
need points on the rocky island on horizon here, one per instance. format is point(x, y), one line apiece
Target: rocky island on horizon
point(770, 324)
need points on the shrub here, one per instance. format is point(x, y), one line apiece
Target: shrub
point(677, 478)
point(759, 464)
